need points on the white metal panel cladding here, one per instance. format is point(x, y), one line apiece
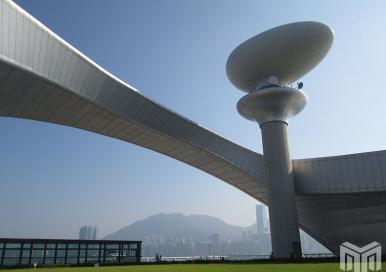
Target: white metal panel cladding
point(362, 172)
point(54, 61)
point(336, 218)
point(41, 102)
point(44, 78)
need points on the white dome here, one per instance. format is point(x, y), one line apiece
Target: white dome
point(285, 53)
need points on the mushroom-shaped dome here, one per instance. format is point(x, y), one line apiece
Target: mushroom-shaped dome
point(280, 55)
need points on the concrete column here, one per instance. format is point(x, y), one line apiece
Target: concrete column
point(281, 192)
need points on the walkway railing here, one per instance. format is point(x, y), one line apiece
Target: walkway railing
point(228, 258)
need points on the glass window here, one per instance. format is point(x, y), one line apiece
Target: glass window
point(72, 260)
point(49, 260)
point(73, 245)
point(125, 252)
point(59, 260)
point(92, 253)
point(39, 246)
point(128, 259)
point(25, 261)
point(92, 260)
point(112, 246)
point(36, 260)
point(37, 253)
point(82, 253)
point(52, 246)
point(50, 253)
point(111, 259)
point(12, 245)
point(72, 253)
point(12, 253)
point(25, 253)
point(10, 262)
point(111, 252)
point(60, 253)
point(93, 246)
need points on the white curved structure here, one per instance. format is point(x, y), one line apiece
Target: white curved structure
point(285, 52)
point(44, 78)
point(272, 103)
point(263, 66)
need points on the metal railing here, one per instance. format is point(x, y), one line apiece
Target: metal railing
point(228, 258)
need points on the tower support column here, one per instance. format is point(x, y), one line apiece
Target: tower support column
point(281, 192)
point(264, 67)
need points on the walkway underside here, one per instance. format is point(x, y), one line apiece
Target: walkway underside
point(44, 78)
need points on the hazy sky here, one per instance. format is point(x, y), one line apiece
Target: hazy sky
point(53, 179)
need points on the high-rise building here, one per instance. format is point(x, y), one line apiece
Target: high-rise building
point(259, 220)
point(88, 233)
point(266, 219)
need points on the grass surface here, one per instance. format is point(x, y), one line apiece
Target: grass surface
point(196, 268)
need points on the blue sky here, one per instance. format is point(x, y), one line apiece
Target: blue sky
point(55, 179)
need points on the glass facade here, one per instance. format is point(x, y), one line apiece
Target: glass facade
point(47, 252)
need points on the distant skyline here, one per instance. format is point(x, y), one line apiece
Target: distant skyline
point(191, 235)
point(88, 233)
point(55, 179)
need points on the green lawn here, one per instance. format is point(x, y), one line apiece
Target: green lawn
point(197, 268)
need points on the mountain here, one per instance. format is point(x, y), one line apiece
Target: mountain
point(195, 227)
point(180, 235)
